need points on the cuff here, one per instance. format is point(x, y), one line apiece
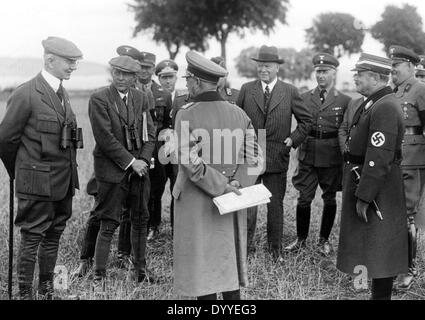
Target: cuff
point(131, 162)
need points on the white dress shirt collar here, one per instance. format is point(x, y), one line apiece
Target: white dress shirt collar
point(51, 79)
point(122, 95)
point(271, 85)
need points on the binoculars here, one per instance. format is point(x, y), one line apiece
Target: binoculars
point(71, 136)
point(132, 139)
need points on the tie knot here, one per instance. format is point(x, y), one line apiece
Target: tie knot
point(124, 99)
point(267, 89)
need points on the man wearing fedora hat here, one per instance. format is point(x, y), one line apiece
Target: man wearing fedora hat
point(125, 137)
point(270, 103)
point(36, 144)
point(319, 156)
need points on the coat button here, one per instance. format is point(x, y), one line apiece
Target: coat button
point(371, 164)
point(224, 172)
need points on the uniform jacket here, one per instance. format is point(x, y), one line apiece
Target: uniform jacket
point(209, 248)
point(380, 246)
point(285, 102)
point(162, 107)
point(108, 114)
point(229, 94)
point(30, 133)
point(327, 118)
point(181, 97)
point(411, 99)
point(343, 130)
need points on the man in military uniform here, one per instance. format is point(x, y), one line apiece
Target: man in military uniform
point(373, 231)
point(229, 94)
point(38, 142)
point(125, 138)
point(420, 70)
point(410, 93)
point(209, 248)
point(319, 156)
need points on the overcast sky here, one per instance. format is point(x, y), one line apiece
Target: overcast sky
point(99, 26)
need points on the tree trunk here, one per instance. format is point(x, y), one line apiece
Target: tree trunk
point(172, 53)
point(223, 39)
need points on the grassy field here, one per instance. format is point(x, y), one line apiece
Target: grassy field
point(306, 275)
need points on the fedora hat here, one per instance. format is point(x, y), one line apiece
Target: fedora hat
point(268, 54)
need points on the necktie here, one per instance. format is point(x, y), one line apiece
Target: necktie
point(395, 89)
point(266, 99)
point(322, 95)
point(59, 92)
point(124, 99)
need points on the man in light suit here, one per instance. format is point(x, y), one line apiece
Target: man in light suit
point(209, 248)
point(38, 142)
point(125, 135)
point(270, 103)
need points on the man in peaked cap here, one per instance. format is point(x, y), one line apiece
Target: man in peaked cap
point(319, 157)
point(125, 138)
point(209, 248)
point(227, 93)
point(410, 93)
point(31, 145)
point(378, 243)
point(267, 101)
point(420, 70)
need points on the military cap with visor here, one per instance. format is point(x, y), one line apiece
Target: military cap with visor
point(62, 47)
point(126, 64)
point(203, 68)
point(325, 61)
point(402, 54)
point(128, 51)
point(166, 67)
point(370, 62)
point(147, 59)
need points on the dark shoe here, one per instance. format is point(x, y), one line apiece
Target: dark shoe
point(152, 234)
point(140, 276)
point(25, 292)
point(99, 286)
point(295, 246)
point(45, 287)
point(83, 268)
point(324, 247)
point(404, 281)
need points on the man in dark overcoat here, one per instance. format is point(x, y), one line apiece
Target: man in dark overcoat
point(373, 234)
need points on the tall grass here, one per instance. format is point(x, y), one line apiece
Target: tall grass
point(306, 275)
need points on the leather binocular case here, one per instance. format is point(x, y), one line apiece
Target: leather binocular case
point(132, 139)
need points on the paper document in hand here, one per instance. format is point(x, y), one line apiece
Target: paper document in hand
point(251, 197)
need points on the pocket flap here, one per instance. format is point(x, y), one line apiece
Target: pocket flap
point(36, 167)
point(47, 123)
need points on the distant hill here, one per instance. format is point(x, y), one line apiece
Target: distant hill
point(88, 75)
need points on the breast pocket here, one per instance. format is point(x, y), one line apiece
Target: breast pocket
point(33, 179)
point(47, 124)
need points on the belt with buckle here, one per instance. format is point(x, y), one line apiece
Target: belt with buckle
point(413, 130)
point(323, 135)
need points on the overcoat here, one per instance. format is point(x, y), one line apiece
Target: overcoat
point(30, 132)
point(209, 248)
point(375, 147)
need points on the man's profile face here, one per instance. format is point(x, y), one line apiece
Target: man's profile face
point(267, 71)
point(192, 85)
point(363, 81)
point(62, 67)
point(168, 81)
point(122, 80)
point(421, 77)
point(401, 71)
point(146, 73)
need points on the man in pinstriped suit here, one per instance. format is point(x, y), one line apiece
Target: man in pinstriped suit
point(270, 103)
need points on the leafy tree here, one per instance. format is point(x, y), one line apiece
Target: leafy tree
point(400, 26)
point(193, 22)
point(336, 33)
point(298, 64)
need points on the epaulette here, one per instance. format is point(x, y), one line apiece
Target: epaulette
point(228, 91)
point(187, 105)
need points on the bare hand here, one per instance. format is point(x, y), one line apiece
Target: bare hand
point(361, 209)
point(232, 188)
point(140, 167)
point(289, 143)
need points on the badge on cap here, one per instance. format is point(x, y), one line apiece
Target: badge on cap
point(321, 59)
point(377, 139)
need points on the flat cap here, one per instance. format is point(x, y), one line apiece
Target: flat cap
point(325, 61)
point(399, 53)
point(126, 64)
point(420, 68)
point(147, 59)
point(370, 62)
point(219, 61)
point(128, 51)
point(203, 68)
point(62, 47)
point(166, 67)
